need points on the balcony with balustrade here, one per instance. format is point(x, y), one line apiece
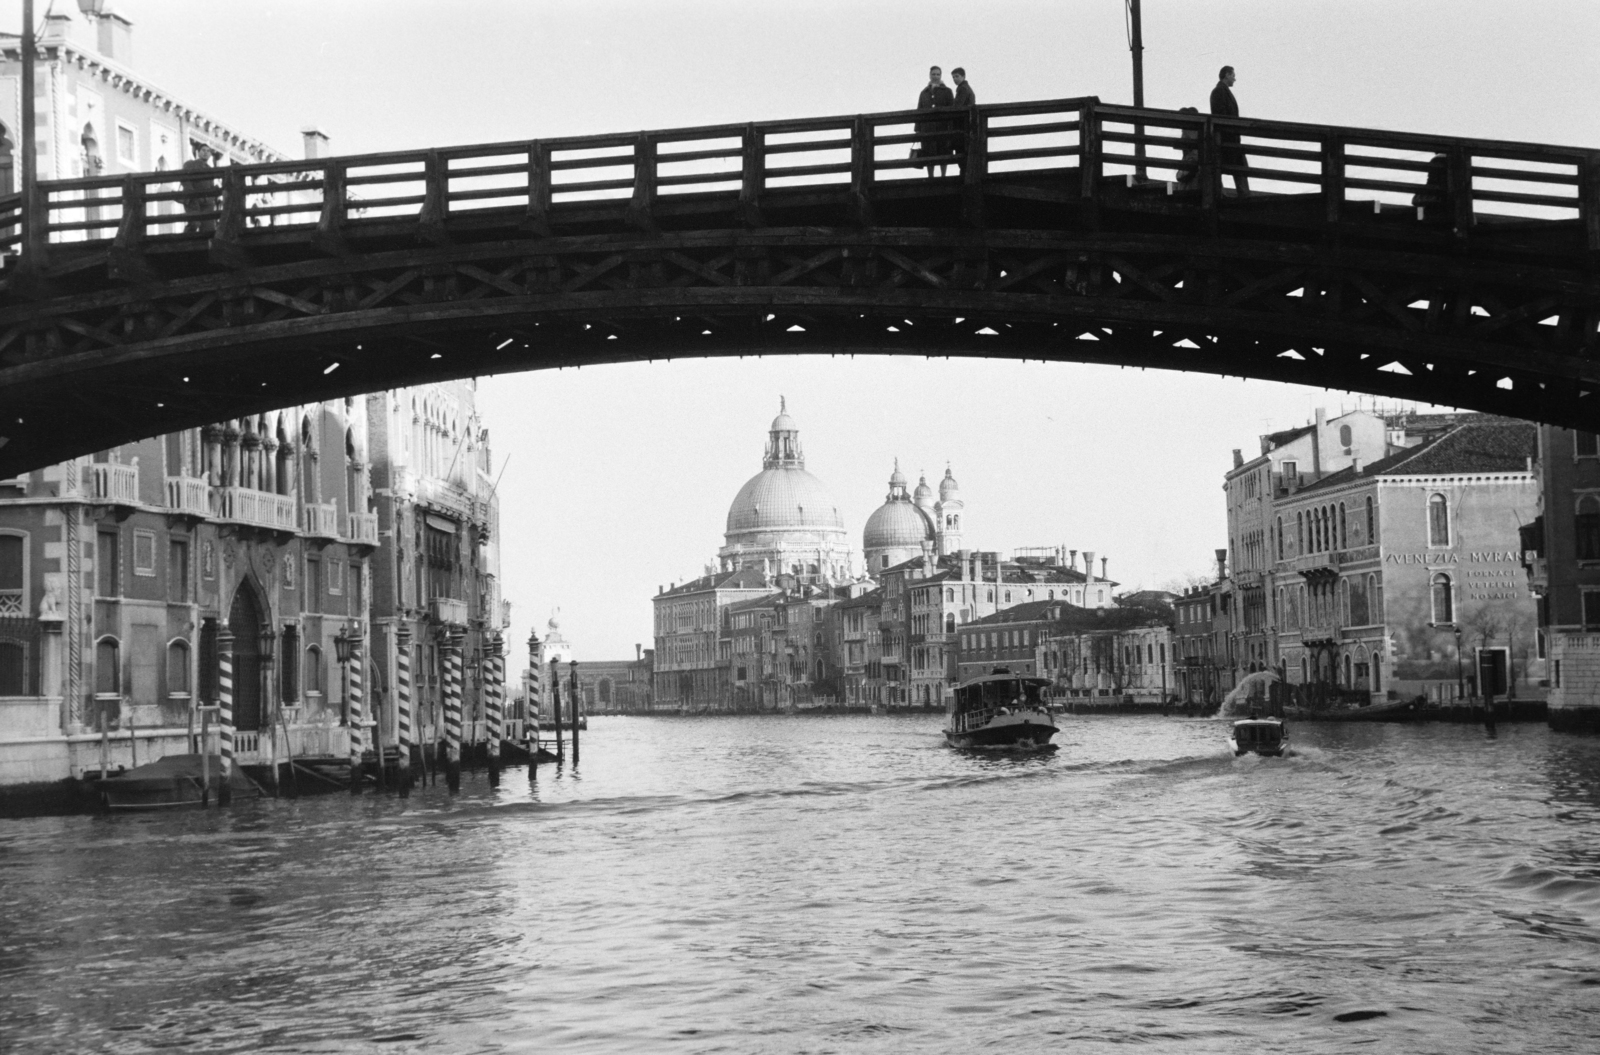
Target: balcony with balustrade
point(321, 520)
point(361, 529)
point(109, 482)
point(188, 496)
point(244, 505)
point(448, 611)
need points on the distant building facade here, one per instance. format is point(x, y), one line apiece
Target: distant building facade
point(1561, 552)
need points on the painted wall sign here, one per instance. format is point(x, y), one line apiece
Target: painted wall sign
point(1509, 556)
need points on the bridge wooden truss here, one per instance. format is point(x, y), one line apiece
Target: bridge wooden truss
point(1063, 230)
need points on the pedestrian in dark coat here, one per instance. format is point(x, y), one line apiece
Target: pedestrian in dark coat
point(935, 140)
point(966, 101)
point(199, 197)
point(1189, 163)
point(1223, 104)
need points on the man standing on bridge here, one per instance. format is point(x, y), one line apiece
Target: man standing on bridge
point(1223, 104)
point(966, 100)
point(936, 96)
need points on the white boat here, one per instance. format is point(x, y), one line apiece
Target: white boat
point(1261, 736)
point(1001, 711)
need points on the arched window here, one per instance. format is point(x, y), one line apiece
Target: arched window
point(313, 673)
point(950, 623)
point(949, 594)
point(107, 667)
point(1588, 528)
point(1375, 597)
point(1342, 542)
point(178, 669)
point(884, 561)
point(1280, 538)
point(1344, 435)
point(1438, 521)
point(1343, 615)
point(1299, 533)
point(1372, 523)
point(1443, 602)
point(991, 596)
point(1349, 681)
point(92, 162)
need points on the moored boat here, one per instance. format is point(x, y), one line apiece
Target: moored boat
point(1001, 711)
point(1261, 736)
point(171, 781)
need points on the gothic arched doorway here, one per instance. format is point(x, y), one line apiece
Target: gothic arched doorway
point(244, 621)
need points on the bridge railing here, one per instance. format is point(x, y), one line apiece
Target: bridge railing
point(1199, 158)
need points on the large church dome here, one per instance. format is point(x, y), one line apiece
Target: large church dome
point(785, 520)
point(783, 498)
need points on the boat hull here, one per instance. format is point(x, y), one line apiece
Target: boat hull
point(1006, 733)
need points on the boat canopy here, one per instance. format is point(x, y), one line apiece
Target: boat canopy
point(1000, 689)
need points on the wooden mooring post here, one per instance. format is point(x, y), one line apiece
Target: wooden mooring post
point(530, 707)
point(555, 707)
point(402, 704)
point(493, 704)
point(576, 696)
point(452, 712)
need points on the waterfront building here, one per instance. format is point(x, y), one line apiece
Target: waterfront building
point(784, 520)
point(691, 673)
point(97, 115)
point(437, 590)
point(859, 658)
point(747, 637)
point(1288, 460)
point(617, 686)
point(1395, 579)
point(1117, 650)
point(129, 572)
point(1561, 551)
point(1196, 669)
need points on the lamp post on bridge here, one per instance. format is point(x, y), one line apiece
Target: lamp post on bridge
point(1136, 46)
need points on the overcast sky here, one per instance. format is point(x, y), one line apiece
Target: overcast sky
point(620, 477)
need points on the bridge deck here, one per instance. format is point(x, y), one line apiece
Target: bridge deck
point(1064, 229)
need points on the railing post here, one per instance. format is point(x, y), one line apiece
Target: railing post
point(330, 225)
point(1089, 150)
point(1458, 190)
point(435, 195)
point(863, 168)
point(538, 218)
point(131, 231)
point(753, 175)
point(1210, 171)
point(1589, 200)
point(225, 247)
point(1332, 179)
point(642, 207)
point(974, 166)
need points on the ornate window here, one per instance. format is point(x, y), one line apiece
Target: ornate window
point(312, 674)
point(1444, 610)
point(13, 575)
point(1372, 523)
point(1588, 528)
point(1438, 521)
point(1342, 541)
point(1280, 538)
point(107, 667)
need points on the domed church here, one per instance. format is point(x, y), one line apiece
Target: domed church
point(897, 530)
point(784, 520)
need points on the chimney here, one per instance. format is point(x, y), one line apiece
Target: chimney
point(1073, 564)
point(1088, 566)
point(638, 652)
point(317, 143)
point(1103, 561)
point(1238, 458)
point(1316, 443)
point(1355, 465)
point(1222, 563)
point(113, 30)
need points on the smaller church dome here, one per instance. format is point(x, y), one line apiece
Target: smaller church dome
point(897, 478)
point(896, 524)
point(923, 495)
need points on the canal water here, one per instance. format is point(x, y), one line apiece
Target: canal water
point(844, 884)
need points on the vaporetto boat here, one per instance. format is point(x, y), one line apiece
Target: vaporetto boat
point(1001, 711)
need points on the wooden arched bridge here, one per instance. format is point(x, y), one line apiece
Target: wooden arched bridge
point(1065, 229)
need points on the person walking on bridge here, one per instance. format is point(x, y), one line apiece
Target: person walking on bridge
point(966, 102)
point(1223, 104)
point(935, 96)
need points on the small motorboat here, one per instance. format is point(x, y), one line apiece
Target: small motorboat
point(172, 781)
point(1001, 711)
point(1260, 736)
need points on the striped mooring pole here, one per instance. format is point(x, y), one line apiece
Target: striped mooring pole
point(402, 704)
point(452, 712)
point(530, 707)
point(494, 691)
point(357, 746)
point(225, 713)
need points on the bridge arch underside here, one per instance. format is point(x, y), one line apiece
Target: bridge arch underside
point(82, 370)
